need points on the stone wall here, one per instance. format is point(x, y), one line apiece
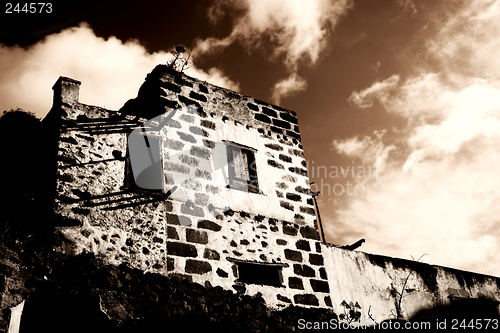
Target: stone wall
point(81, 293)
point(386, 287)
point(201, 230)
point(197, 229)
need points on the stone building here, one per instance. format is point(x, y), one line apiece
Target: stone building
point(199, 182)
point(228, 199)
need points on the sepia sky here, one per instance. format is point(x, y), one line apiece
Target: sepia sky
point(398, 100)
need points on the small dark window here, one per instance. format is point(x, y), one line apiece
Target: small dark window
point(260, 274)
point(144, 169)
point(242, 169)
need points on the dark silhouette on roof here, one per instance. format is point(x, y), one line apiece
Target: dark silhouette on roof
point(353, 246)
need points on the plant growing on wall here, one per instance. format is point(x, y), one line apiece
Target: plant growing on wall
point(179, 62)
point(350, 312)
point(398, 296)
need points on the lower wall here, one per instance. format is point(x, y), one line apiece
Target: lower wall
point(376, 283)
point(80, 293)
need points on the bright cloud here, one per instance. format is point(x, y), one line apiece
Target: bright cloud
point(298, 30)
point(370, 150)
point(378, 91)
point(442, 198)
point(291, 85)
point(111, 71)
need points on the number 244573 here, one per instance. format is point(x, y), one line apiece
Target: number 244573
point(28, 8)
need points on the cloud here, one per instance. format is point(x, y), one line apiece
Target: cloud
point(111, 71)
point(297, 29)
point(439, 192)
point(370, 149)
point(407, 6)
point(289, 86)
point(378, 91)
point(467, 42)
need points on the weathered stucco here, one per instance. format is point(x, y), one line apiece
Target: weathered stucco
point(377, 282)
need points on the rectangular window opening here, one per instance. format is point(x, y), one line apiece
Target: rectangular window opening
point(242, 169)
point(144, 168)
point(259, 274)
point(268, 274)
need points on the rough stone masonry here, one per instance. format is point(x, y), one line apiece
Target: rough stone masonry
point(204, 229)
point(246, 226)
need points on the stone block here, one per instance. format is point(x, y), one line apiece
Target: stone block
point(302, 244)
point(201, 152)
point(296, 152)
point(295, 283)
point(287, 205)
point(269, 112)
point(289, 230)
point(253, 107)
point(288, 117)
point(318, 247)
point(281, 242)
point(197, 96)
point(207, 124)
point(212, 189)
point(293, 135)
point(299, 171)
point(263, 118)
point(169, 103)
point(308, 232)
point(192, 209)
point(316, 259)
point(304, 270)
point(181, 81)
point(189, 160)
point(170, 264)
point(281, 123)
point(201, 199)
point(274, 146)
point(306, 299)
point(276, 129)
point(285, 158)
point(283, 299)
point(188, 101)
point(186, 137)
point(196, 236)
point(170, 86)
point(307, 210)
point(177, 219)
point(206, 224)
point(319, 286)
point(181, 249)
point(179, 168)
point(172, 233)
point(293, 255)
point(211, 254)
point(174, 144)
point(275, 164)
point(202, 88)
point(203, 174)
point(322, 273)
point(293, 197)
point(197, 266)
point(186, 118)
point(198, 131)
point(222, 273)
